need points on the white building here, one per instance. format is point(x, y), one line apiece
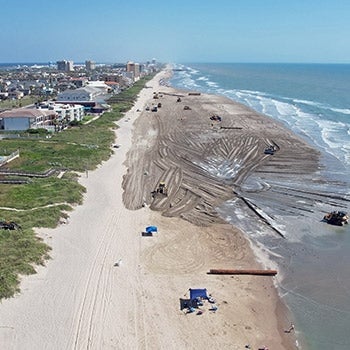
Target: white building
point(99, 84)
point(70, 112)
point(87, 93)
point(65, 112)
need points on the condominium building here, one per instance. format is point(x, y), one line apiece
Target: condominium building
point(90, 65)
point(67, 112)
point(134, 68)
point(65, 66)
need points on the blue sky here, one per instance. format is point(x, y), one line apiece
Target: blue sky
point(175, 31)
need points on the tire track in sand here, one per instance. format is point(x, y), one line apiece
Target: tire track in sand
point(84, 332)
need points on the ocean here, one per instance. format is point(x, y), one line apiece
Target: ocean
point(312, 100)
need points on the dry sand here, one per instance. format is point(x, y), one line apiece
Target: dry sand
point(81, 300)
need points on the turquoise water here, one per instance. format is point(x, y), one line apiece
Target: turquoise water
point(314, 102)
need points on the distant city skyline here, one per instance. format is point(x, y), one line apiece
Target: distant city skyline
point(302, 31)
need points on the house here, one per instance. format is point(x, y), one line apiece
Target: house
point(20, 119)
point(84, 94)
point(15, 95)
point(4, 95)
point(79, 82)
point(114, 86)
point(87, 96)
point(100, 85)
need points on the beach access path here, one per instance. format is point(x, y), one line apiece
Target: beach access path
point(82, 299)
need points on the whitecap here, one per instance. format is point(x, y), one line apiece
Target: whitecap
point(341, 110)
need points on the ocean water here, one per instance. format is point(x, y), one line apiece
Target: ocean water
point(312, 100)
point(10, 66)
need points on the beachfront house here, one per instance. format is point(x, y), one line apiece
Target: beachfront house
point(84, 94)
point(88, 96)
point(20, 119)
point(88, 93)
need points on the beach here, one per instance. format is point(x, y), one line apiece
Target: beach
point(107, 286)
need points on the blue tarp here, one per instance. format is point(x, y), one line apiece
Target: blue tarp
point(150, 229)
point(198, 293)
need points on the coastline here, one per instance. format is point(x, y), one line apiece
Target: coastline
point(136, 304)
point(168, 96)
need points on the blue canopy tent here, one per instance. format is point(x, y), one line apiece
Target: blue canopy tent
point(198, 293)
point(150, 229)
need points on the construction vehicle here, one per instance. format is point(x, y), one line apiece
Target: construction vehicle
point(215, 117)
point(161, 189)
point(271, 149)
point(338, 218)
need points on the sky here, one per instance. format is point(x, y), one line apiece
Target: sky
point(181, 31)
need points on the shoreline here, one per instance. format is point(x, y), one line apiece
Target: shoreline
point(136, 305)
point(282, 312)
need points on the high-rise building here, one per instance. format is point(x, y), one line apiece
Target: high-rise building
point(90, 65)
point(134, 68)
point(66, 66)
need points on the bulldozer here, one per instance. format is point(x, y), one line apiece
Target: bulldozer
point(161, 189)
point(338, 218)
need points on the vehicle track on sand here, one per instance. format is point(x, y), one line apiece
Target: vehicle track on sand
point(205, 163)
point(97, 288)
point(199, 249)
point(173, 179)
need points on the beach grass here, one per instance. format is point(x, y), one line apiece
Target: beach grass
point(20, 250)
point(43, 202)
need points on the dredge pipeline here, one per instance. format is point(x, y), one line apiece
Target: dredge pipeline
point(242, 272)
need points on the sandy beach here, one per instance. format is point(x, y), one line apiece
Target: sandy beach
point(109, 287)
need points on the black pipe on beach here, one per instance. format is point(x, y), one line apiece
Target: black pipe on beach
point(252, 207)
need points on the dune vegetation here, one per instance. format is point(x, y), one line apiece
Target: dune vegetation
point(43, 202)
